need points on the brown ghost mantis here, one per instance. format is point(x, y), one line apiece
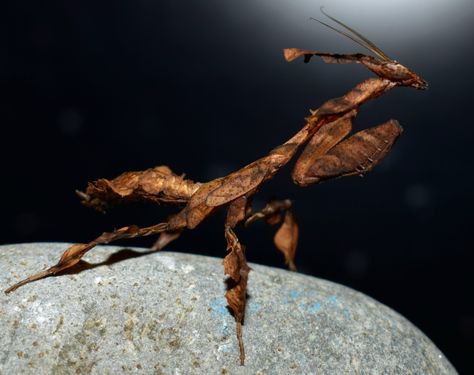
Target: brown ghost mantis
point(328, 154)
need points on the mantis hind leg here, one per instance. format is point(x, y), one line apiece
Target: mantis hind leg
point(286, 237)
point(74, 253)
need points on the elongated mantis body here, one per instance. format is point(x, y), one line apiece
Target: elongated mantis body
point(328, 153)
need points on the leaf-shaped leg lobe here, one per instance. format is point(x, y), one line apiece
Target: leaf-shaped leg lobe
point(286, 239)
point(74, 253)
point(236, 267)
point(157, 185)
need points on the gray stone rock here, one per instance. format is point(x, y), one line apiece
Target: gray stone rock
point(165, 313)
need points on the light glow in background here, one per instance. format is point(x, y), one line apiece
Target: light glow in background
point(97, 89)
point(437, 29)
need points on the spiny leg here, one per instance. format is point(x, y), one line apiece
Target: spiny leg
point(74, 253)
point(286, 237)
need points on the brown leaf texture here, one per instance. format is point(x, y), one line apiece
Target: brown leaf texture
point(375, 65)
point(155, 185)
point(328, 154)
point(165, 238)
point(271, 213)
point(237, 211)
point(335, 58)
point(197, 209)
point(322, 141)
point(239, 183)
point(358, 154)
point(235, 266)
point(383, 67)
point(286, 239)
point(369, 89)
point(74, 253)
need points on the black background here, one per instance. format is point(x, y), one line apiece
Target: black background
point(93, 90)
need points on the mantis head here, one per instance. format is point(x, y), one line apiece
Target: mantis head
point(397, 73)
point(381, 64)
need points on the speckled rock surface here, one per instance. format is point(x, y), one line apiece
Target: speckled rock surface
point(129, 312)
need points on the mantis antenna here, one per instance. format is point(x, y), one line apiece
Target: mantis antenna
point(362, 40)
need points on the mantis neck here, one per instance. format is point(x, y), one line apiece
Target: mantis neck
point(331, 111)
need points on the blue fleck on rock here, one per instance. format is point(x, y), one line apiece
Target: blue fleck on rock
point(165, 313)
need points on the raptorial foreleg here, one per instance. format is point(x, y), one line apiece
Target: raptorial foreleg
point(321, 142)
point(356, 155)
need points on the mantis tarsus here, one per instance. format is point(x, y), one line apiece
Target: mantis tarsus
point(328, 154)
